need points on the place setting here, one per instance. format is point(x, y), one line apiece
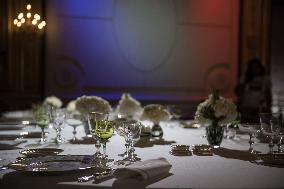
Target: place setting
point(57, 148)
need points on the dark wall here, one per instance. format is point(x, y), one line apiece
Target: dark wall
point(277, 50)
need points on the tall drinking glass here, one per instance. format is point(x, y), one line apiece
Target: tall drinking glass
point(270, 124)
point(58, 122)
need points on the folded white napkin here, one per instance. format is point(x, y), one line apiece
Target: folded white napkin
point(144, 170)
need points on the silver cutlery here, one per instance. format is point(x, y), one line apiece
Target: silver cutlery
point(96, 176)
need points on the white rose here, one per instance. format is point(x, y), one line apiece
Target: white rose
point(155, 113)
point(53, 101)
point(71, 106)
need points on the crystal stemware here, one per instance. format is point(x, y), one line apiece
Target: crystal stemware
point(74, 120)
point(270, 124)
point(133, 132)
point(252, 130)
point(120, 128)
point(101, 129)
point(42, 120)
point(58, 122)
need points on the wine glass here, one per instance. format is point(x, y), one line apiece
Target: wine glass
point(270, 124)
point(101, 129)
point(120, 128)
point(58, 122)
point(133, 131)
point(42, 120)
point(252, 130)
point(74, 120)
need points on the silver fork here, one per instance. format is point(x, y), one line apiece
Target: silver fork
point(96, 176)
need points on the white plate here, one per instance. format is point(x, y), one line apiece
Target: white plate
point(36, 152)
point(52, 164)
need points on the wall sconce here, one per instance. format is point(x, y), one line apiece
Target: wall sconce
point(29, 20)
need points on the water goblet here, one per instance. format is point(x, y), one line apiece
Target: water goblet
point(120, 128)
point(42, 120)
point(58, 122)
point(252, 130)
point(133, 131)
point(270, 123)
point(74, 120)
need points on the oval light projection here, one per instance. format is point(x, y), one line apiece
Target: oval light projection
point(145, 31)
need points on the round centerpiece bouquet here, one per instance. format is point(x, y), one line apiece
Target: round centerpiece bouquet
point(86, 104)
point(156, 113)
point(215, 112)
point(53, 101)
point(128, 107)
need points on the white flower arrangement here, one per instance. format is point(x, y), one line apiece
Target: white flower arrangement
point(128, 106)
point(155, 113)
point(216, 109)
point(71, 107)
point(86, 104)
point(53, 101)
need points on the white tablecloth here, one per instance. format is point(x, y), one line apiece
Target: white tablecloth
point(229, 167)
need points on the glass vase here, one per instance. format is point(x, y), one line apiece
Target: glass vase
point(156, 130)
point(214, 134)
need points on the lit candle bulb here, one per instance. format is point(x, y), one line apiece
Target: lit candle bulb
point(20, 16)
point(19, 24)
point(37, 17)
point(15, 21)
point(29, 15)
point(43, 23)
point(23, 20)
point(40, 26)
point(29, 7)
point(34, 22)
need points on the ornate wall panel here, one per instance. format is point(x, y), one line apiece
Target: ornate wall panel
point(153, 48)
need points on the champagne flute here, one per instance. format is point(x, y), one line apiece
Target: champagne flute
point(58, 122)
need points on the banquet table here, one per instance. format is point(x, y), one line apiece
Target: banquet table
point(230, 166)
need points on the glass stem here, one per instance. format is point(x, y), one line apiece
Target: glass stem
point(58, 137)
point(98, 147)
point(104, 149)
point(271, 145)
point(74, 133)
point(251, 142)
point(42, 135)
point(131, 150)
point(280, 150)
point(127, 147)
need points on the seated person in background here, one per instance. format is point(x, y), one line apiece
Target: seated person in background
point(254, 92)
